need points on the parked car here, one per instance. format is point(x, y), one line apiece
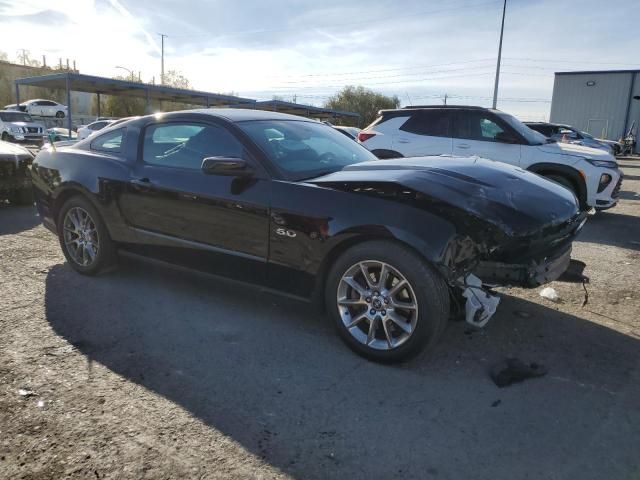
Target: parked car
point(86, 130)
point(13, 106)
point(591, 174)
point(42, 108)
point(17, 126)
point(293, 205)
point(58, 134)
point(616, 147)
point(351, 132)
point(15, 183)
point(568, 134)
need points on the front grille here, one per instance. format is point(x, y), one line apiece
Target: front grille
point(616, 189)
point(32, 129)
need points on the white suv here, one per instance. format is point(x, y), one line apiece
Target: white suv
point(593, 175)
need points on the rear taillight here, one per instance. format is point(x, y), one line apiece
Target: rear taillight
point(364, 136)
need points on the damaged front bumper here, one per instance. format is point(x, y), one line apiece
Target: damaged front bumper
point(527, 275)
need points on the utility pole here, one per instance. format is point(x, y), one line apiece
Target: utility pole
point(495, 88)
point(162, 35)
point(445, 98)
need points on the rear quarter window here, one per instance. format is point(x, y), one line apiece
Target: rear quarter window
point(109, 142)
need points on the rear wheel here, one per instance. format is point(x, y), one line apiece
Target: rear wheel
point(5, 137)
point(59, 114)
point(386, 302)
point(84, 237)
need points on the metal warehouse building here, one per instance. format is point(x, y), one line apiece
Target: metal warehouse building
point(604, 103)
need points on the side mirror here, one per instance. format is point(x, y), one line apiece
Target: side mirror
point(231, 166)
point(504, 137)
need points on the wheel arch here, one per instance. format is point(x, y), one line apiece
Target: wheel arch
point(385, 154)
point(567, 172)
point(67, 192)
point(400, 238)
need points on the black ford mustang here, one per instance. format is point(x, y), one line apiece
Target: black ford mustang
point(390, 247)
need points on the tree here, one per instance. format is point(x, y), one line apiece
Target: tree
point(120, 106)
point(173, 78)
point(363, 101)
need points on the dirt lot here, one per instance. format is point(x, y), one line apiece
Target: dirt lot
point(151, 373)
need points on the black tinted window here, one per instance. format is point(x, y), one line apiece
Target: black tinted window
point(478, 125)
point(109, 142)
point(546, 130)
point(434, 123)
point(185, 145)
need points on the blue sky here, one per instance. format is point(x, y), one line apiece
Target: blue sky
point(418, 50)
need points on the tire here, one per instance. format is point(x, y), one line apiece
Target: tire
point(568, 184)
point(94, 234)
point(22, 197)
point(59, 114)
point(421, 327)
point(5, 137)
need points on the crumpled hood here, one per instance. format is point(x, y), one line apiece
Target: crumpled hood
point(575, 150)
point(517, 201)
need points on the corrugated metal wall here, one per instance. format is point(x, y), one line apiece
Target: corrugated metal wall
point(598, 108)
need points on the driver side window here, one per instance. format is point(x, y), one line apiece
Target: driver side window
point(477, 126)
point(185, 145)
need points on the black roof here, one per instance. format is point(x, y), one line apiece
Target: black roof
point(235, 114)
point(408, 109)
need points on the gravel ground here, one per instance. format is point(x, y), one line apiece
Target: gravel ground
point(151, 373)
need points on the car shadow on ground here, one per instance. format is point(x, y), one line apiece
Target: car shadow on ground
point(16, 219)
point(271, 374)
point(611, 228)
point(629, 195)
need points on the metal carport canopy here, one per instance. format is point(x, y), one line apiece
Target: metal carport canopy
point(78, 82)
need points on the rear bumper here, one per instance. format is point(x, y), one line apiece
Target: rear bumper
point(528, 275)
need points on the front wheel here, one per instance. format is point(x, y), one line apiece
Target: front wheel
point(386, 302)
point(84, 237)
point(59, 114)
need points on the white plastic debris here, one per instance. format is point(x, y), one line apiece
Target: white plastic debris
point(40, 403)
point(550, 294)
point(480, 305)
point(23, 392)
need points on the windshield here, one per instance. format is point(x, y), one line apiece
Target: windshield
point(530, 135)
point(302, 149)
point(15, 117)
point(587, 135)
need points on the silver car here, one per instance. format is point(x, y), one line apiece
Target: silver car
point(568, 134)
point(19, 127)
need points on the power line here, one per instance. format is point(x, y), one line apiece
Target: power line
point(386, 19)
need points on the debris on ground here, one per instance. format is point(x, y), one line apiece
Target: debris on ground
point(496, 403)
point(23, 392)
point(550, 294)
point(513, 370)
point(522, 314)
point(40, 404)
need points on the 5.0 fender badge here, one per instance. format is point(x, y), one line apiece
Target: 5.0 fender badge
point(285, 232)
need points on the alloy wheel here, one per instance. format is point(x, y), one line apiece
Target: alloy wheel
point(81, 236)
point(377, 305)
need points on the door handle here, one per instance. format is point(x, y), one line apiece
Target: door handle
point(463, 145)
point(403, 140)
point(141, 182)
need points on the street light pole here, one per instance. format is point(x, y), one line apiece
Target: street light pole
point(162, 35)
point(128, 70)
point(495, 87)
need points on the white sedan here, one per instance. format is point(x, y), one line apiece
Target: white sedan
point(44, 108)
point(86, 130)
